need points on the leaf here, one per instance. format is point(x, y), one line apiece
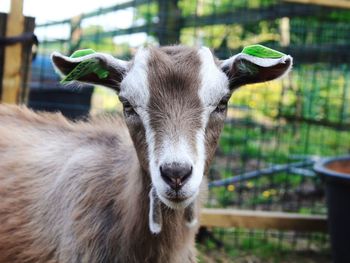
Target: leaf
point(262, 52)
point(82, 52)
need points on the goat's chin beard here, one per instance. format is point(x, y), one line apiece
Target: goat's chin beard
point(155, 211)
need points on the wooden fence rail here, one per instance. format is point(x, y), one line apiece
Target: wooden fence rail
point(329, 3)
point(263, 220)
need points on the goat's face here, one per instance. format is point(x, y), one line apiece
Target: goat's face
point(174, 104)
point(175, 101)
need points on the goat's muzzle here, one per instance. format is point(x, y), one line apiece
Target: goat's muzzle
point(176, 174)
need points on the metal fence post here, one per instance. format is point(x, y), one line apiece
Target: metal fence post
point(169, 25)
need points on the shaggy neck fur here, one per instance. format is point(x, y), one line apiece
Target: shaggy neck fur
point(77, 193)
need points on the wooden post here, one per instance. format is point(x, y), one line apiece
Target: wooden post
point(3, 19)
point(13, 55)
point(75, 33)
point(284, 31)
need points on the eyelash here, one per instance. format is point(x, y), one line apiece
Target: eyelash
point(128, 108)
point(222, 106)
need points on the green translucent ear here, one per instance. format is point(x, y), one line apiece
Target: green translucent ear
point(85, 67)
point(262, 52)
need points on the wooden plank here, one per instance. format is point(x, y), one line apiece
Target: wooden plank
point(12, 66)
point(329, 3)
point(262, 220)
point(3, 19)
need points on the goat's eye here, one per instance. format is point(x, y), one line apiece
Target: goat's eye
point(221, 107)
point(128, 108)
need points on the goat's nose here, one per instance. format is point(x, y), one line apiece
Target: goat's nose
point(175, 174)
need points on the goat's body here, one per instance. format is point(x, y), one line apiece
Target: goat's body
point(79, 192)
point(75, 192)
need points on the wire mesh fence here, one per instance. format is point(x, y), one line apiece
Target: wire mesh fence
point(274, 131)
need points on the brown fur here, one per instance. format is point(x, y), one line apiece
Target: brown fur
point(74, 192)
point(173, 72)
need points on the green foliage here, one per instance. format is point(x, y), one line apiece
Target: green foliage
point(91, 38)
point(147, 12)
point(340, 16)
point(206, 7)
point(333, 32)
point(223, 37)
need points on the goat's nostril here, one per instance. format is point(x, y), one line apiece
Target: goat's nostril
point(176, 174)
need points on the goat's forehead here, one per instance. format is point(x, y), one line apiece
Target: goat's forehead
point(174, 71)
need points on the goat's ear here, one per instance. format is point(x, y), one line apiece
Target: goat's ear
point(90, 67)
point(256, 64)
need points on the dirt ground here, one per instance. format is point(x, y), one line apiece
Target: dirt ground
point(219, 257)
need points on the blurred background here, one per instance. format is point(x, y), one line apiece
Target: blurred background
point(274, 132)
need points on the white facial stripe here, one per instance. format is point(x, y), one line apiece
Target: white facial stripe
point(214, 86)
point(157, 181)
point(175, 151)
point(198, 170)
point(214, 81)
point(134, 86)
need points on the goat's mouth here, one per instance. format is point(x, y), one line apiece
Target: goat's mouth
point(177, 200)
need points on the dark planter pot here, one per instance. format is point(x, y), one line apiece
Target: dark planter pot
point(336, 175)
point(74, 104)
point(47, 94)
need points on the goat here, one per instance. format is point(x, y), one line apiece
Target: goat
point(120, 189)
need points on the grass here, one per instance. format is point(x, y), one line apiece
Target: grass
point(261, 246)
point(239, 256)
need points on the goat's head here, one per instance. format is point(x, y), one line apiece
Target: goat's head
point(175, 101)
